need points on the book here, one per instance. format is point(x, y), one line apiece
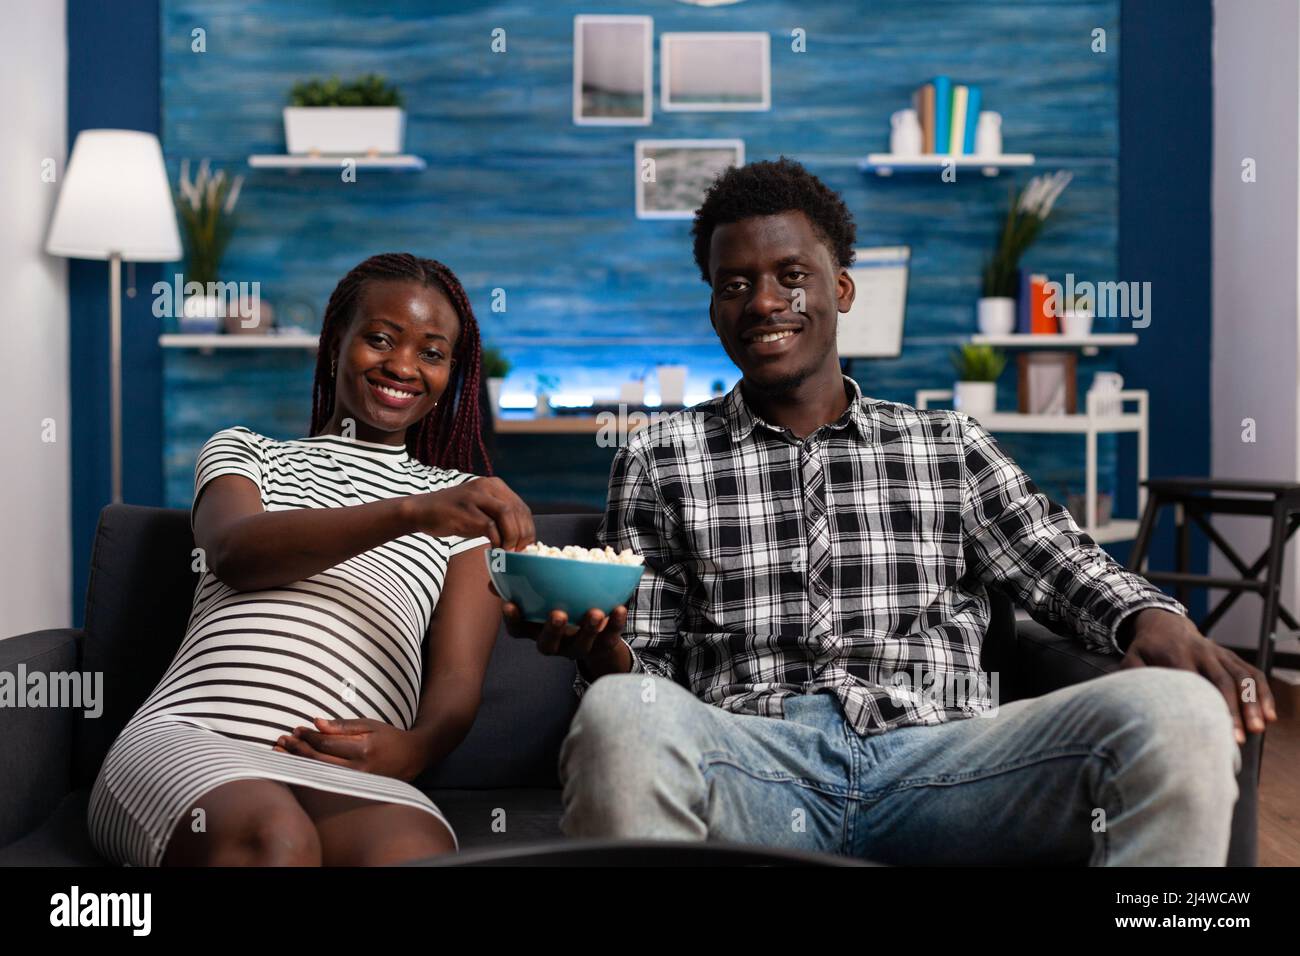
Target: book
point(973, 98)
point(957, 132)
point(942, 113)
point(924, 101)
point(1023, 325)
point(1042, 321)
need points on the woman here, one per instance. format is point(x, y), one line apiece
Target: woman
point(343, 624)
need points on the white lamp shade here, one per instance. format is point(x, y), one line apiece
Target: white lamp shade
point(115, 199)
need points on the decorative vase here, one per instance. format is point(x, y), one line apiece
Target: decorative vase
point(543, 409)
point(252, 316)
point(632, 393)
point(344, 130)
point(996, 315)
point(672, 384)
point(975, 398)
point(905, 137)
point(988, 134)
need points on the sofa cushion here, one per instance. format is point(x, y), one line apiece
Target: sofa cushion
point(488, 818)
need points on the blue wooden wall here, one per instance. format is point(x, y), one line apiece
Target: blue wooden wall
point(515, 196)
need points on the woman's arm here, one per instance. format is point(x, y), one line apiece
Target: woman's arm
point(249, 548)
point(461, 636)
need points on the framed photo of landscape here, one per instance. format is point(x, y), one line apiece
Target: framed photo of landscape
point(613, 76)
point(673, 174)
point(715, 71)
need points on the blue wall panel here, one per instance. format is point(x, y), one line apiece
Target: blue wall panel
point(517, 197)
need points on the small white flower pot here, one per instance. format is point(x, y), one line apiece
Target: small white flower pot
point(494, 386)
point(202, 314)
point(997, 315)
point(975, 398)
point(344, 130)
point(1076, 322)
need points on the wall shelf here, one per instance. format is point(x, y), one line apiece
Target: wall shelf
point(886, 164)
point(1089, 343)
point(399, 163)
point(207, 343)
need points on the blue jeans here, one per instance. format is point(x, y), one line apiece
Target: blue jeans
point(1134, 768)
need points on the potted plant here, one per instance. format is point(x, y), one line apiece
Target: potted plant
point(495, 369)
point(978, 368)
point(206, 205)
point(1026, 215)
point(336, 118)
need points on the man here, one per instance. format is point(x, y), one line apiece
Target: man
point(800, 664)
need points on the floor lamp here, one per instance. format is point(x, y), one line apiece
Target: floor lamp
point(116, 204)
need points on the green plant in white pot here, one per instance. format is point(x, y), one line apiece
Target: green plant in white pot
point(495, 369)
point(206, 207)
point(978, 368)
point(1028, 211)
point(333, 118)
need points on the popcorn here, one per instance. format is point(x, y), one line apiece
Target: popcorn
point(605, 555)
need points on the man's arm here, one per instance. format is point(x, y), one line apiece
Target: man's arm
point(1030, 546)
point(1017, 538)
point(636, 517)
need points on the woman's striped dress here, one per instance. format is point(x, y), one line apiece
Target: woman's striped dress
point(253, 665)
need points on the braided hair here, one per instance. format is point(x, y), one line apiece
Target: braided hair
point(451, 435)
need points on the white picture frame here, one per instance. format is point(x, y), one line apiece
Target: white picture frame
point(873, 326)
point(678, 187)
point(718, 71)
point(610, 53)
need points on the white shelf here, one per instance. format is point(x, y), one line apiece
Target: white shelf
point(1056, 340)
point(1090, 427)
point(207, 342)
point(886, 164)
point(397, 162)
point(1121, 529)
point(1060, 424)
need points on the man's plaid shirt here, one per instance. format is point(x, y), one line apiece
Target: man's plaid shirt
point(853, 562)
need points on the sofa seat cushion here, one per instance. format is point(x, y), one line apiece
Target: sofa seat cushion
point(62, 840)
point(524, 815)
point(528, 816)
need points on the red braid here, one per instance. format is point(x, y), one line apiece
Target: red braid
point(450, 436)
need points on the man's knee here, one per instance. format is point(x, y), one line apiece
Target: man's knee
point(1184, 725)
point(625, 727)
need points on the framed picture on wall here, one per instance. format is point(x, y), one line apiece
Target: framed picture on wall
point(715, 71)
point(673, 174)
point(613, 80)
point(1047, 383)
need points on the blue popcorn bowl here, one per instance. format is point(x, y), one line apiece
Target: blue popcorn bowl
point(539, 585)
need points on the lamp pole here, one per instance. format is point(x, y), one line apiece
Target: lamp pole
point(115, 367)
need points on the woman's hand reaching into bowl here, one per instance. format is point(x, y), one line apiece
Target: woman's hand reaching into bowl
point(483, 507)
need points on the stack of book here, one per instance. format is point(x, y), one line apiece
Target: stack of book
point(948, 113)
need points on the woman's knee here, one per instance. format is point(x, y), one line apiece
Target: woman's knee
point(406, 835)
point(245, 823)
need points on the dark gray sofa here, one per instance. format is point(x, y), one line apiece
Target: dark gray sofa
point(138, 602)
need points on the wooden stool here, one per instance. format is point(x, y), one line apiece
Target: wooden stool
point(1201, 497)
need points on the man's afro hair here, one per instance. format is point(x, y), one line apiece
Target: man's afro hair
point(767, 189)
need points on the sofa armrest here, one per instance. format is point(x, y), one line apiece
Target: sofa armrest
point(1046, 661)
point(36, 743)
